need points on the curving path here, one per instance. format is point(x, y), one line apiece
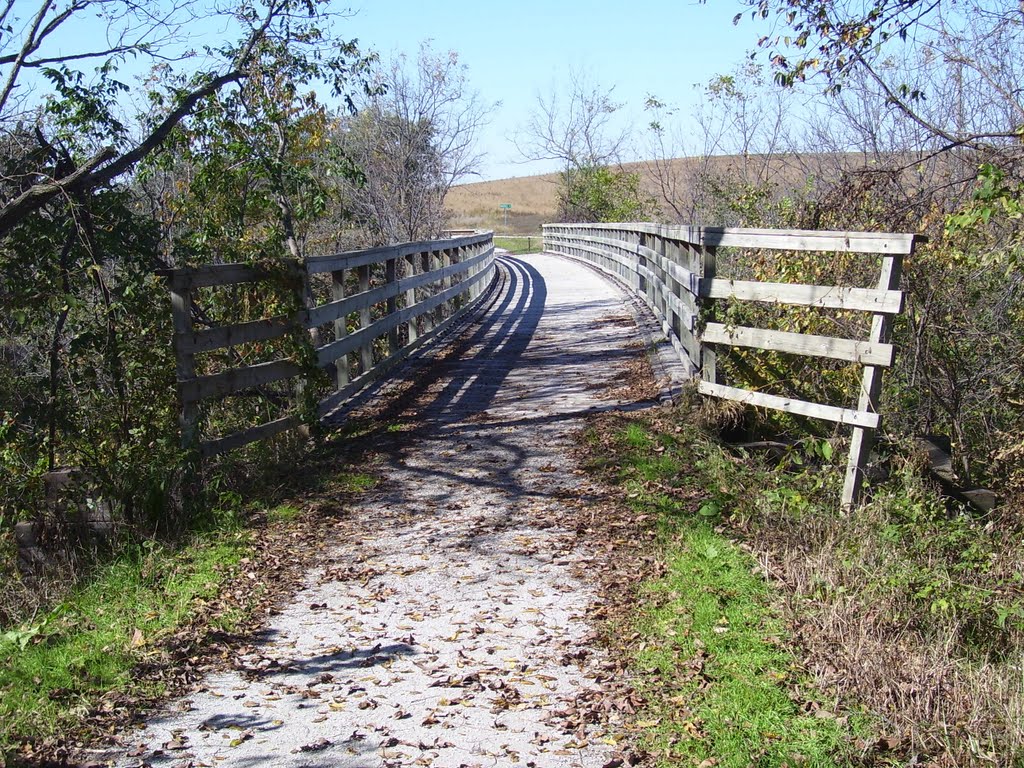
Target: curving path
point(449, 625)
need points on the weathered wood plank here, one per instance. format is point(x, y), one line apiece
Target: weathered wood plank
point(599, 247)
point(391, 276)
point(271, 328)
point(352, 259)
point(790, 405)
point(791, 239)
point(684, 343)
point(826, 296)
point(804, 240)
point(223, 274)
point(222, 336)
point(412, 331)
point(566, 247)
point(335, 399)
point(237, 379)
point(341, 368)
point(365, 320)
point(864, 352)
point(246, 436)
point(365, 336)
point(326, 313)
point(708, 260)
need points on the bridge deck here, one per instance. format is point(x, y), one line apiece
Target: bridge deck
point(442, 631)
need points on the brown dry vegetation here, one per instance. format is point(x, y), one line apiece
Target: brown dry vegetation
point(475, 206)
point(534, 199)
point(906, 610)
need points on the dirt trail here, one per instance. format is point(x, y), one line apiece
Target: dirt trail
point(449, 626)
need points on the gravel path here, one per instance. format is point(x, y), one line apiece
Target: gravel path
point(449, 625)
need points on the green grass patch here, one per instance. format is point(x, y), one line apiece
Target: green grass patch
point(283, 513)
point(520, 245)
point(712, 662)
point(355, 482)
point(908, 592)
point(55, 668)
point(709, 631)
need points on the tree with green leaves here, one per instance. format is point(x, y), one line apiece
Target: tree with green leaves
point(972, 50)
point(90, 104)
point(576, 127)
point(222, 164)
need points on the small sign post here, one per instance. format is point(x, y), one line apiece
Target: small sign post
point(506, 207)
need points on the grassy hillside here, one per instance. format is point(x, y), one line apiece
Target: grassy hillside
point(534, 198)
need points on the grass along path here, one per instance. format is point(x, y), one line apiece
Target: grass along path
point(708, 648)
point(57, 668)
point(786, 632)
point(520, 244)
point(148, 623)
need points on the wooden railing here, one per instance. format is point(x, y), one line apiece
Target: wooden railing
point(442, 280)
point(674, 270)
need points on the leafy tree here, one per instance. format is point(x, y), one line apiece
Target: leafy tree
point(90, 104)
point(976, 46)
point(577, 129)
point(603, 194)
point(228, 156)
point(413, 137)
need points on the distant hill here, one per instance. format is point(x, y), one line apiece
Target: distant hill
point(534, 198)
point(476, 206)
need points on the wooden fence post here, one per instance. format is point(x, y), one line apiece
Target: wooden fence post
point(181, 313)
point(313, 336)
point(871, 387)
point(708, 358)
point(391, 306)
point(429, 260)
point(474, 289)
point(412, 330)
point(342, 375)
point(446, 261)
point(365, 318)
point(642, 285)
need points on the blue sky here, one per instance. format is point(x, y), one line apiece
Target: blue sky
point(515, 48)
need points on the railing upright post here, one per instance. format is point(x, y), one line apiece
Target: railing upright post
point(429, 264)
point(672, 256)
point(308, 301)
point(340, 328)
point(708, 358)
point(181, 303)
point(410, 299)
point(446, 283)
point(365, 318)
point(871, 387)
point(645, 285)
point(662, 273)
point(391, 306)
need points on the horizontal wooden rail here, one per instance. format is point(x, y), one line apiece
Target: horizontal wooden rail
point(673, 270)
point(445, 279)
point(857, 418)
point(351, 259)
point(799, 344)
point(776, 239)
point(793, 294)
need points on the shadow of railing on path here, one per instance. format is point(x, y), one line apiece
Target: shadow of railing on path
point(448, 403)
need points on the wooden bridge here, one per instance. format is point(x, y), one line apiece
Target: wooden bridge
point(450, 620)
point(384, 303)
